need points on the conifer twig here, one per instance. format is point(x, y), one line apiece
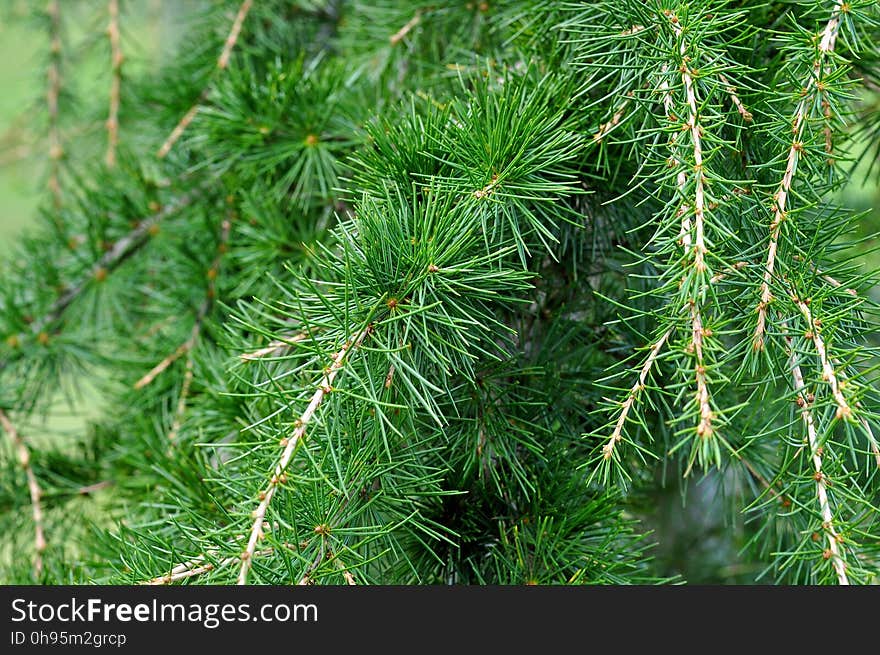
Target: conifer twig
point(833, 551)
point(180, 410)
point(222, 63)
point(399, 35)
point(349, 577)
point(617, 434)
point(115, 82)
point(185, 572)
point(195, 567)
point(186, 347)
point(154, 372)
point(695, 128)
point(826, 46)
point(306, 578)
point(828, 373)
point(24, 459)
point(681, 176)
point(731, 91)
point(274, 346)
point(278, 476)
point(698, 332)
point(189, 346)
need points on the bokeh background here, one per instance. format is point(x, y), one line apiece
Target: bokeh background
point(692, 541)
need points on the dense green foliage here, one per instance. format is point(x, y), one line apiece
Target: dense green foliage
point(455, 293)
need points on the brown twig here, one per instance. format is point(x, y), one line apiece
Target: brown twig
point(389, 378)
point(732, 270)
point(92, 488)
point(24, 460)
point(488, 189)
point(826, 46)
point(307, 578)
point(190, 344)
point(222, 63)
point(180, 410)
point(398, 36)
point(154, 372)
point(196, 567)
point(115, 82)
point(731, 91)
point(349, 578)
point(112, 259)
point(681, 176)
point(278, 476)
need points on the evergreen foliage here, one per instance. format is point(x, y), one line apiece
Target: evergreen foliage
point(451, 293)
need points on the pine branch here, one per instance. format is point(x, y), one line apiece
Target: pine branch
point(188, 347)
point(833, 551)
point(681, 176)
point(189, 569)
point(159, 368)
point(704, 427)
point(116, 59)
point(826, 47)
point(696, 130)
point(180, 410)
point(279, 476)
point(112, 259)
point(222, 63)
point(24, 458)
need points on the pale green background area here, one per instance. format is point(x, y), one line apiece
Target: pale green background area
point(149, 31)
point(19, 165)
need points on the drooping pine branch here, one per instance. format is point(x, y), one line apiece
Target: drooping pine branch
point(833, 552)
point(278, 477)
point(813, 84)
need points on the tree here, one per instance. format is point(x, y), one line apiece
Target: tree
point(450, 292)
